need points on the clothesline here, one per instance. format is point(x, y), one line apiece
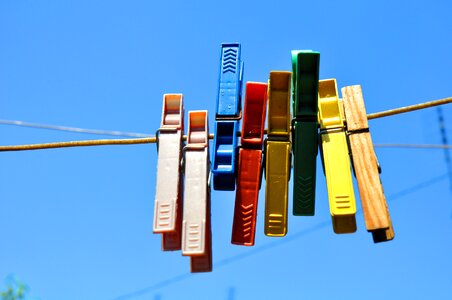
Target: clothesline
point(153, 139)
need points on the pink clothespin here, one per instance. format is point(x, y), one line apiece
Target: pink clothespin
point(168, 196)
point(196, 232)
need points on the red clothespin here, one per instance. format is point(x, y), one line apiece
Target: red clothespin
point(168, 196)
point(250, 164)
point(196, 232)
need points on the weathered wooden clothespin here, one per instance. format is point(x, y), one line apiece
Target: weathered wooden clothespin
point(366, 167)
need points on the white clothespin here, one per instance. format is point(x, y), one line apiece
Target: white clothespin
point(168, 196)
point(196, 232)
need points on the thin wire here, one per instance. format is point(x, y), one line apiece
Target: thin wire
point(442, 128)
point(270, 245)
point(74, 129)
point(152, 139)
point(414, 146)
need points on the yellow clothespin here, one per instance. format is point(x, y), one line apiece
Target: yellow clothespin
point(168, 196)
point(336, 159)
point(277, 154)
point(196, 232)
point(376, 213)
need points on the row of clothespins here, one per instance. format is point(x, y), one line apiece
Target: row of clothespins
point(182, 202)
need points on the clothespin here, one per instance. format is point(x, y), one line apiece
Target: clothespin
point(336, 159)
point(305, 79)
point(196, 232)
point(250, 164)
point(375, 208)
point(227, 117)
point(277, 154)
point(168, 196)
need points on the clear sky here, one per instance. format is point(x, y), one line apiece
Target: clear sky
point(77, 223)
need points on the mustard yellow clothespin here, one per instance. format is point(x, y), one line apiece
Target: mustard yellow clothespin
point(365, 165)
point(277, 154)
point(336, 159)
point(168, 196)
point(196, 232)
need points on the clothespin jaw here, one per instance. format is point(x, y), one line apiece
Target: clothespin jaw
point(376, 213)
point(196, 230)
point(250, 164)
point(173, 112)
point(227, 117)
point(277, 154)
point(305, 78)
point(224, 155)
point(168, 198)
point(336, 159)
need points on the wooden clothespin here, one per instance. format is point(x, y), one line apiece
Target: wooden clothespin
point(376, 213)
point(196, 231)
point(305, 78)
point(277, 154)
point(168, 196)
point(227, 118)
point(250, 164)
point(336, 159)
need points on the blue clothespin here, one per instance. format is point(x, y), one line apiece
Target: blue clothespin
point(227, 118)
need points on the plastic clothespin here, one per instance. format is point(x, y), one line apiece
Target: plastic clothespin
point(376, 213)
point(168, 196)
point(277, 154)
point(305, 79)
point(336, 159)
point(250, 164)
point(227, 117)
point(196, 231)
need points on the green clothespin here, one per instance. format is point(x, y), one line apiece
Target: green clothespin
point(305, 84)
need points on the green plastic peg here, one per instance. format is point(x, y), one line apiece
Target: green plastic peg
point(305, 84)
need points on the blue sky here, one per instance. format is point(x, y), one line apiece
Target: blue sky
point(77, 223)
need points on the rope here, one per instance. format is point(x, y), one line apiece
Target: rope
point(405, 109)
point(79, 144)
point(419, 146)
point(152, 139)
